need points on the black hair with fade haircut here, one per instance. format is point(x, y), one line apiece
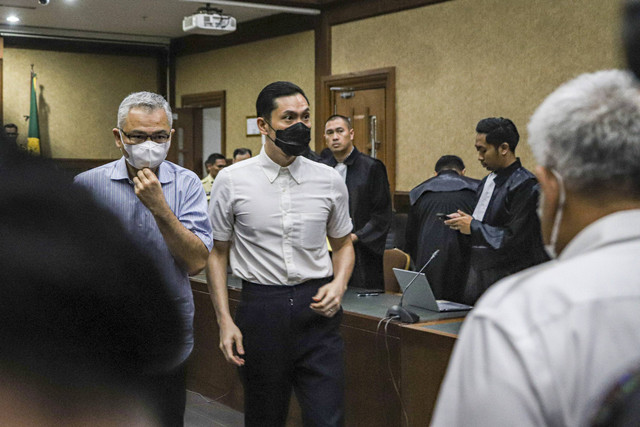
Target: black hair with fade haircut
point(211, 160)
point(346, 119)
point(266, 101)
point(449, 162)
point(499, 130)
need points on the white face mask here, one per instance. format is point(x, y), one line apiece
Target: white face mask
point(147, 154)
point(551, 247)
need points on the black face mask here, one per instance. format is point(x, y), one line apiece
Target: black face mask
point(294, 140)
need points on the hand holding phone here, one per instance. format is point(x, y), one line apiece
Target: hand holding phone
point(443, 216)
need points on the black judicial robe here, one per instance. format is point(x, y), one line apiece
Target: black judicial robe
point(508, 239)
point(370, 210)
point(445, 193)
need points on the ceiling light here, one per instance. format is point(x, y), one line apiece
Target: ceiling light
point(13, 19)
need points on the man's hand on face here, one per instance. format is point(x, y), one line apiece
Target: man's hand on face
point(149, 191)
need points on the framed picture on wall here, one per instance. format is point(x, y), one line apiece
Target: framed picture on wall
point(252, 126)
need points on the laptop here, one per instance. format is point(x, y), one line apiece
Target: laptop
point(419, 294)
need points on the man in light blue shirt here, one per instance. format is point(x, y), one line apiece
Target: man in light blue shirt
point(163, 207)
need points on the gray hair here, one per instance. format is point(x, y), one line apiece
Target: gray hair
point(588, 130)
point(147, 100)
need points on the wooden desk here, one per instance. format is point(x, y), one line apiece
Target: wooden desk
point(370, 359)
point(426, 349)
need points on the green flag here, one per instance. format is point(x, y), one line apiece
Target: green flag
point(33, 144)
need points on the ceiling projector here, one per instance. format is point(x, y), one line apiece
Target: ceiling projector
point(209, 21)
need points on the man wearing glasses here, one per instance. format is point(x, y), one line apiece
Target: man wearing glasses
point(163, 207)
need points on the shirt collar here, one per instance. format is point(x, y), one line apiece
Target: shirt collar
point(271, 169)
point(614, 228)
point(121, 172)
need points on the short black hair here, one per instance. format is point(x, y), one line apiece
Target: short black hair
point(346, 119)
point(499, 130)
point(84, 310)
point(211, 160)
point(241, 151)
point(449, 162)
point(266, 101)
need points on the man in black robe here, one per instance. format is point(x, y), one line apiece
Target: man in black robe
point(448, 191)
point(504, 227)
point(369, 201)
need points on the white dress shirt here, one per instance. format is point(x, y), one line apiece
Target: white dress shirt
point(543, 347)
point(277, 219)
point(341, 168)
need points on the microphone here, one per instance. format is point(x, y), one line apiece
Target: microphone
point(399, 311)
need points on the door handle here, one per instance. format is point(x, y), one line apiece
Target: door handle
point(373, 135)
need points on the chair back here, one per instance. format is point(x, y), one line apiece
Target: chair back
point(393, 258)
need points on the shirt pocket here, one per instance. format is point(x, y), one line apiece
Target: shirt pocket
point(314, 230)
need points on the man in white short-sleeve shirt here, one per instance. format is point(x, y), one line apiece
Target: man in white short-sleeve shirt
point(272, 214)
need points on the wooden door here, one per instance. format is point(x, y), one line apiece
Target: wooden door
point(197, 102)
point(366, 109)
point(187, 123)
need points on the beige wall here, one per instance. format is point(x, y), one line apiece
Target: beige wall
point(78, 97)
point(242, 71)
point(460, 61)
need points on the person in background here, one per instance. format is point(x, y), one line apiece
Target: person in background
point(504, 227)
point(11, 133)
point(447, 191)
point(240, 154)
point(163, 209)
point(544, 346)
point(88, 328)
point(272, 214)
point(369, 201)
point(214, 164)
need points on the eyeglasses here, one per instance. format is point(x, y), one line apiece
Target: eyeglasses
point(138, 138)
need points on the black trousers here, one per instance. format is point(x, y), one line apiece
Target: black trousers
point(288, 346)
